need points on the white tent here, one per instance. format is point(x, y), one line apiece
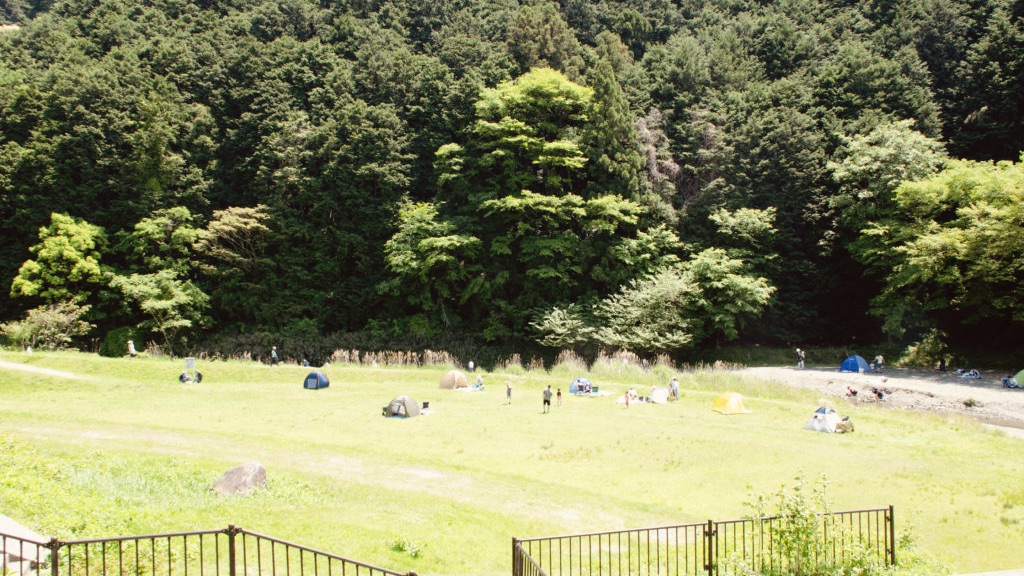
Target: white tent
point(823, 420)
point(659, 395)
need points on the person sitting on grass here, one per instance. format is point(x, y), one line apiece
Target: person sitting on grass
point(1010, 382)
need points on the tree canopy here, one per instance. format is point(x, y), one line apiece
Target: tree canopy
point(400, 173)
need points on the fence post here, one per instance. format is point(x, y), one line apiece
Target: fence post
point(54, 546)
point(516, 570)
point(892, 536)
point(231, 532)
point(709, 548)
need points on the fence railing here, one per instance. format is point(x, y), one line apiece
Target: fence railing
point(702, 548)
point(228, 552)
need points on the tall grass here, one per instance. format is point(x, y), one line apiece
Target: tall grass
point(116, 446)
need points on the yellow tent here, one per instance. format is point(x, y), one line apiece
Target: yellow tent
point(730, 403)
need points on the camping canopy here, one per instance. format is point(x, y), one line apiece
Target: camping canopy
point(402, 406)
point(315, 380)
point(854, 363)
point(453, 379)
point(730, 403)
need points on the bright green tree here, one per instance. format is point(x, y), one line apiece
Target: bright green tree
point(428, 261)
point(706, 299)
point(171, 305)
point(951, 252)
point(66, 266)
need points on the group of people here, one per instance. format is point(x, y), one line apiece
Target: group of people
point(878, 364)
point(877, 393)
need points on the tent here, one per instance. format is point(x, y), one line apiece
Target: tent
point(315, 380)
point(730, 403)
point(825, 419)
point(453, 379)
point(580, 386)
point(659, 396)
point(402, 406)
point(854, 363)
point(1019, 377)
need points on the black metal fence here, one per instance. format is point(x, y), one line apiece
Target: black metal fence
point(228, 552)
point(767, 544)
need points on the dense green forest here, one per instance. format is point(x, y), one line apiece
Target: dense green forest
point(655, 175)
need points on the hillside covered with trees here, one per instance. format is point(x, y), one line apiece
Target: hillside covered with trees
point(655, 175)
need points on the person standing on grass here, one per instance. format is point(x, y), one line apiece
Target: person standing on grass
point(508, 392)
point(274, 359)
point(131, 349)
point(547, 399)
point(559, 396)
point(800, 356)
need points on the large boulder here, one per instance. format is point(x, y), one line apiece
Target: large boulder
point(241, 479)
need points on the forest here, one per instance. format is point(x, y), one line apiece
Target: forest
point(659, 176)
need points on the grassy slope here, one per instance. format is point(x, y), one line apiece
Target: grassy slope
point(125, 448)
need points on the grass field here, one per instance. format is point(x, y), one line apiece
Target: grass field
point(124, 448)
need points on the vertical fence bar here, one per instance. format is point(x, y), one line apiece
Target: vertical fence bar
point(709, 550)
point(891, 521)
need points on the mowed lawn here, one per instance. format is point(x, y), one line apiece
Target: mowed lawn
point(118, 446)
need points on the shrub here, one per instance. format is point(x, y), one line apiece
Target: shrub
point(115, 343)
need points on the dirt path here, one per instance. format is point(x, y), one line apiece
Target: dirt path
point(38, 370)
point(985, 400)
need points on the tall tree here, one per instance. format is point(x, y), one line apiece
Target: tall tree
point(519, 185)
point(612, 143)
point(993, 99)
point(233, 253)
point(539, 37)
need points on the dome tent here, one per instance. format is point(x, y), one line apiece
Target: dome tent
point(730, 403)
point(402, 406)
point(825, 419)
point(580, 386)
point(854, 363)
point(453, 379)
point(316, 380)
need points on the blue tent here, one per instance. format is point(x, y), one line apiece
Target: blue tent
point(316, 380)
point(580, 386)
point(854, 363)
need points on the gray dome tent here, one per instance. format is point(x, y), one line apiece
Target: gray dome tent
point(402, 406)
